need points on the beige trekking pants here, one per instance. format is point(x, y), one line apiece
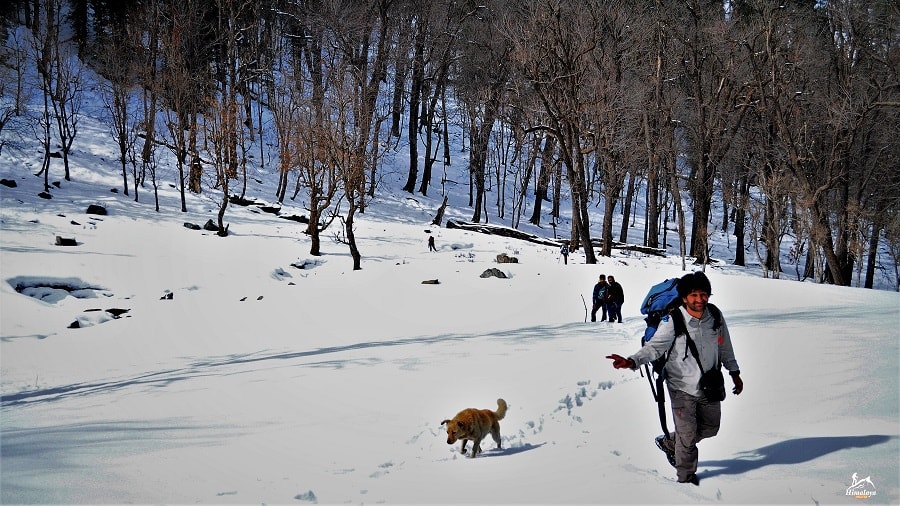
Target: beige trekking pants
point(695, 420)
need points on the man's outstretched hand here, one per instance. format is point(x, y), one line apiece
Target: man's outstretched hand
point(738, 382)
point(620, 362)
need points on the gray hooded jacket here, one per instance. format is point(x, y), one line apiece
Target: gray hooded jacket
point(682, 371)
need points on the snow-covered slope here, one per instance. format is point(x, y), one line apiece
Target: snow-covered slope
point(260, 382)
point(242, 370)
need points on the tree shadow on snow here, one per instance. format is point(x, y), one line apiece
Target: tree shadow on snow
point(792, 451)
point(224, 363)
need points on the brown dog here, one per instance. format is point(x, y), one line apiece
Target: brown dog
point(473, 425)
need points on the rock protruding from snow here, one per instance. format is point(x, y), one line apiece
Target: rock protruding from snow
point(493, 272)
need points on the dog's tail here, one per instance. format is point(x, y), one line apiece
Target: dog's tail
point(501, 409)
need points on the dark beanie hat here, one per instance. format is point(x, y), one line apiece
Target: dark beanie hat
point(693, 281)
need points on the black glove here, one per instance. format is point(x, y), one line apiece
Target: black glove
point(738, 382)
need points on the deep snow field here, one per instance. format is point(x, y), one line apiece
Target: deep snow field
point(215, 370)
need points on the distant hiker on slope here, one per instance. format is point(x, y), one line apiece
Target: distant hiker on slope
point(431, 243)
point(697, 408)
point(615, 297)
point(564, 251)
point(599, 299)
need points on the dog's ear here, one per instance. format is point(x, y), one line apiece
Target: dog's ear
point(445, 421)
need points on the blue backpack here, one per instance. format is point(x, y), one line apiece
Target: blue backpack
point(659, 302)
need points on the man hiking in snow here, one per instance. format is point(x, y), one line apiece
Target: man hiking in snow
point(705, 343)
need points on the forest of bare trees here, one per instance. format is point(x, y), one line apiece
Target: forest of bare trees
point(783, 114)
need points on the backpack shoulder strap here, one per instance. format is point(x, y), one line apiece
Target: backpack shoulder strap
point(693, 349)
point(680, 330)
point(717, 316)
point(678, 321)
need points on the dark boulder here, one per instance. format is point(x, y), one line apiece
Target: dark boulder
point(493, 272)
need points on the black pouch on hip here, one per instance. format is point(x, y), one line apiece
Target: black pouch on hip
point(712, 384)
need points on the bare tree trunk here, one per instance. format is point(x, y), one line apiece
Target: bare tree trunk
point(401, 66)
point(543, 181)
point(351, 239)
point(626, 207)
point(480, 132)
point(439, 217)
point(45, 43)
point(220, 216)
point(651, 227)
point(872, 258)
point(415, 97)
point(195, 170)
point(740, 219)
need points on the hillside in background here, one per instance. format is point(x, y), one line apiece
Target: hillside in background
point(719, 152)
point(97, 179)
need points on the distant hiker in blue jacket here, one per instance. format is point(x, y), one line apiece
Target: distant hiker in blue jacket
point(599, 299)
point(696, 417)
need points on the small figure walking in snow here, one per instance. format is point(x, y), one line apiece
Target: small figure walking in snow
point(564, 251)
point(431, 243)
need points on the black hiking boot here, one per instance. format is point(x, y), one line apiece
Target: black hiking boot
point(692, 479)
point(667, 446)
